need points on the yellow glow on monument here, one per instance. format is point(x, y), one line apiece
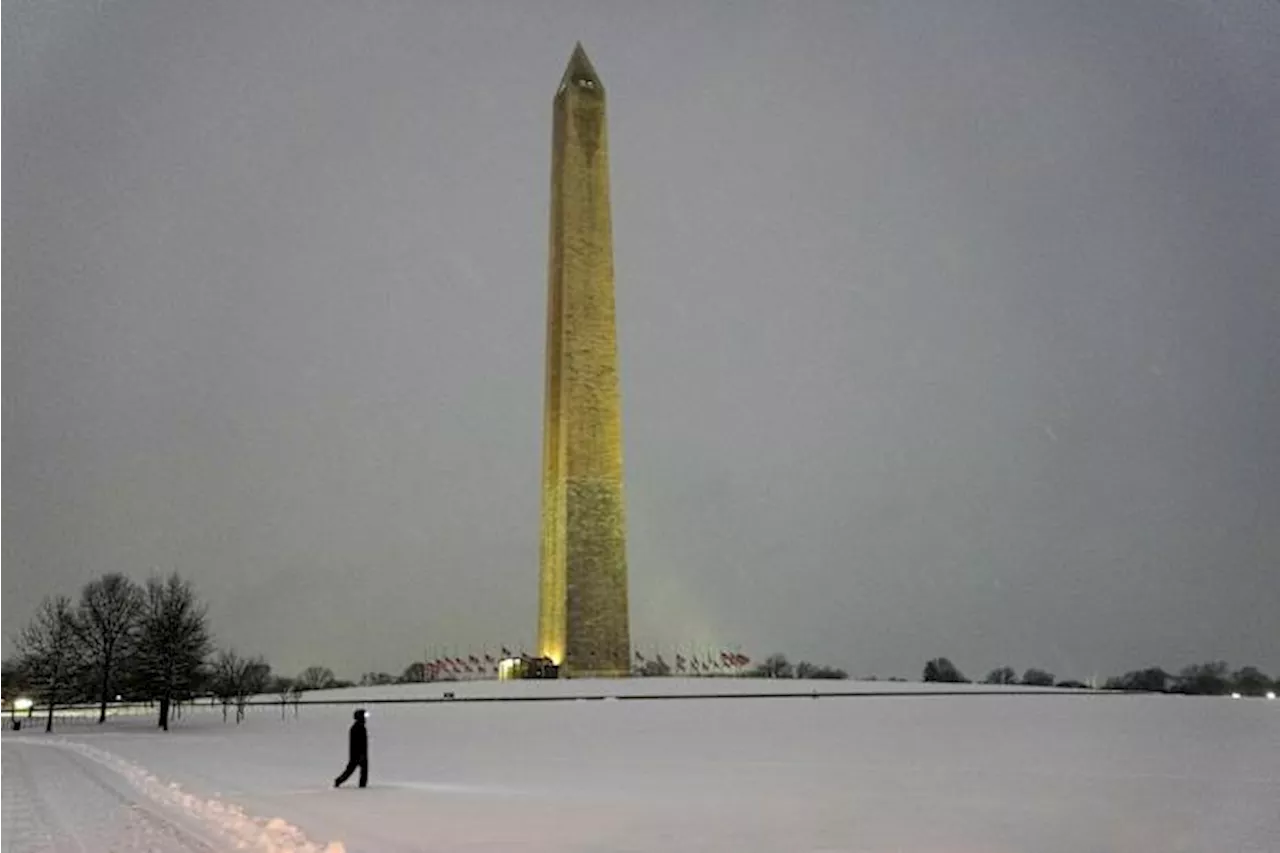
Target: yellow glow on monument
point(554, 653)
point(582, 614)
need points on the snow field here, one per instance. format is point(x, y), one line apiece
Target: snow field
point(1060, 772)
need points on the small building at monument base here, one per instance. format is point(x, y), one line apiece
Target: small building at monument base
point(512, 669)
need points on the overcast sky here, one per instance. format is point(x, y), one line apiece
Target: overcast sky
point(945, 328)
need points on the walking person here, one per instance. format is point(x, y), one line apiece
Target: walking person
point(357, 752)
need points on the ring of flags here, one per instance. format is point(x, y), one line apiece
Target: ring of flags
point(486, 664)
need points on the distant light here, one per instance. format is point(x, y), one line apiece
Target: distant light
point(1235, 695)
point(118, 697)
point(1271, 694)
point(22, 704)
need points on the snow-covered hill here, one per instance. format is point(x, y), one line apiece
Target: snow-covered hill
point(1066, 771)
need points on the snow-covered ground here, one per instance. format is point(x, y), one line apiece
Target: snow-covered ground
point(1064, 772)
point(61, 795)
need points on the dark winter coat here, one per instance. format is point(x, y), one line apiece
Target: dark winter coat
point(359, 741)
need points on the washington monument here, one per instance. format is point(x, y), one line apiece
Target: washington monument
point(582, 614)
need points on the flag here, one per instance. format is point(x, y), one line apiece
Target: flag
point(639, 657)
point(488, 658)
point(506, 652)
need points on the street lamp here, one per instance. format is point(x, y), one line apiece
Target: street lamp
point(22, 704)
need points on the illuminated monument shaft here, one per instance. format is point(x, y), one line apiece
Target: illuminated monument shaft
point(582, 617)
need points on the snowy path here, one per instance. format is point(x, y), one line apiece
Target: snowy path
point(62, 797)
point(75, 804)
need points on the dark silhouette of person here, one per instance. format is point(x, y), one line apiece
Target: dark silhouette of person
point(357, 752)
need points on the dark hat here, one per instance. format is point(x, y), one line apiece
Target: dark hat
point(359, 715)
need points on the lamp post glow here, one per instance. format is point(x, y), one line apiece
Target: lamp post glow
point(20, 704)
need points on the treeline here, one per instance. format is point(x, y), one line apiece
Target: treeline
point(125, 642)
point(1214, 678)
point(774, 666)
point(414, 673)
point(777, 666)
point(149, 642)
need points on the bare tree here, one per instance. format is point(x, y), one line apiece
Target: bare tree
point(48, 646)
point(316, 678)
point(225, 675)
point(804, 669)
point(942, 669)
point(1153, 679)
point(173, 641)
point(15, 678)
point(414, 672)
point(282, 686)
point(107, 622)
point(1250, 681)
point(236, 679)
point(774, 666)
point(253, 680)
point(1002, 675)
point(1037, 678)
point(1210, 679)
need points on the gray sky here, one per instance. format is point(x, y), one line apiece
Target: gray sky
point(945, 328)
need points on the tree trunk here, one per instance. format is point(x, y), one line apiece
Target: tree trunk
point(106, 688)
point(53, 697)
point(164, 712)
